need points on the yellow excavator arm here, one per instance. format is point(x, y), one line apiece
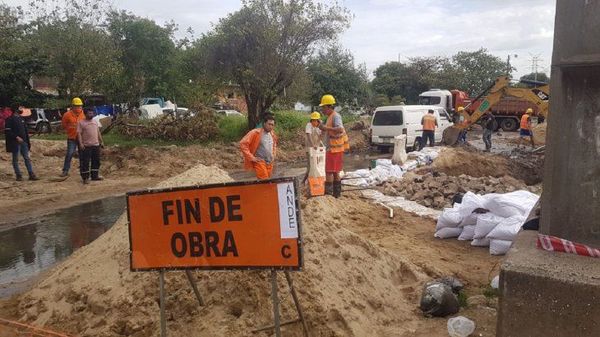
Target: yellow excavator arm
point(538, 96)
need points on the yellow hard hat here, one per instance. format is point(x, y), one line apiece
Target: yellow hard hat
point(327, 100)
point(315, 115)
point(77, 102)
point(460, 109)
point(529, 110)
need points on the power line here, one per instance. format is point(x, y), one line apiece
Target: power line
point(535, 61)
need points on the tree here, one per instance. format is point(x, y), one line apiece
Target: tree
point(476, 71)
point(148, 55)
point(264, 46)
point(80, 54)
point(18, 59)
point(333, 71)
point(398, 79)
point(539, 77)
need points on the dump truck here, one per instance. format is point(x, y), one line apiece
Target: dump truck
point(507, 111)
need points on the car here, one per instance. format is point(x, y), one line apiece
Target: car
point(229, 113)
point(391, 121)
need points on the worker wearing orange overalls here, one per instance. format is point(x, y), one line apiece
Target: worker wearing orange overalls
point(259, 147)
point(336, 143)
point(429, 123)
point(69, 123)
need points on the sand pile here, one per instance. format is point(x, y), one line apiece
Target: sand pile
point(349, 286)
point(437, 190)
point(455, 161)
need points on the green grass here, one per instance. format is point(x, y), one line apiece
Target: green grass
point(490, 292)
point(232, 128)
point(462, 299)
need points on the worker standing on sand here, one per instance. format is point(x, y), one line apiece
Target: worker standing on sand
point(336, 141)
point(69, 123)
point(17, 141)
point(313, 137)
point(90, 142)
point(429, 123)
point(526, 130)
point(488, 122)
point(259, 147)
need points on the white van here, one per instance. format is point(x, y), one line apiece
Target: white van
point(391, 121)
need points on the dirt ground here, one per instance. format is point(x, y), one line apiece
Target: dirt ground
point(363, 276)
point(124, 169)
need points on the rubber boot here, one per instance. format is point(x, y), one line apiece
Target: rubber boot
point(328, 188)
point(337, 189)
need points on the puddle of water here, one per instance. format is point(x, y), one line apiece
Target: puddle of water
point(26, 249)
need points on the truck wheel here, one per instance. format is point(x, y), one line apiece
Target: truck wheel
point(43, 128)
point(418, 146)
point(508, 124)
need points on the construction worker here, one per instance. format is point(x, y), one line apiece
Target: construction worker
point(429, 123)
point(313, 137)
point(526, 130)
point(313, 133)
point(17, 141)
point(462, 138)
point(259, 147)
point(90, 142)
point(69, 123)
point(488, 122)
point(336, 142)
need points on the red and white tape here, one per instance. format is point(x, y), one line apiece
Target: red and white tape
point(554, 244)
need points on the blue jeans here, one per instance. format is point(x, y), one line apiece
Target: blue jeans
point(23, 148)
point(71, 148)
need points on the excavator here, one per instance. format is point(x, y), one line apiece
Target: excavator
point(500, 88)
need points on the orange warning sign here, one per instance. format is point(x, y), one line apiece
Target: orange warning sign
point(225, 226)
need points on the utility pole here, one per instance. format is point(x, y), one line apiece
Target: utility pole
point(535, 60)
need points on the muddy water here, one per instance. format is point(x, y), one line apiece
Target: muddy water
point(27, 249)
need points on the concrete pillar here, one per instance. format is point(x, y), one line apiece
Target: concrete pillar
point(571, 198)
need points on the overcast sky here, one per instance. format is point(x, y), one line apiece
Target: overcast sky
point(388, 30)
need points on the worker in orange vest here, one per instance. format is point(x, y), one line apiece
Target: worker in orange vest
point(429, 123)
point(69, 123)
point(259, 147)
point(336, 141)
point(526, 130)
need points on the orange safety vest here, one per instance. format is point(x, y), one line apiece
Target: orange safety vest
point(524, 122)
point(338, 142)
point(429, 122)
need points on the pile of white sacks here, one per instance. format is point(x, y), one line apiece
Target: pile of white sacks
point(385, 170)
point(496, 228)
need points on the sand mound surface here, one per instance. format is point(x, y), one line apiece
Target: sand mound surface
point(349, 286)
point(455, 161)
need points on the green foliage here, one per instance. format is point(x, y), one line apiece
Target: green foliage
point(333, 72)
point(540, 77)
point(289, 123)
point(490, 292)
point(468, 71)
point(232, 128)
point(264, 46)
point(19, 60)
point(148, 55)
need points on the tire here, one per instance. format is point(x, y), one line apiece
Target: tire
point(508, 124)
point(43, 127)
point(383, 149)
point(418, 146)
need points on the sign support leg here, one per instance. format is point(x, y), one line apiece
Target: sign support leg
point(296, 303)
point(275, 299)
point(163, 323)
point(194, 287)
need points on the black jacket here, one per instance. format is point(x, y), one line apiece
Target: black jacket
point(15, 126)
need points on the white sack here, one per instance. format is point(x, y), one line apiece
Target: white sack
point(485, 224)
point(467, 233)
point(499, 247)
point(483, 242)
point(509, 204)
point(450, 218)
point(470, 202)
point(469, 220)
point(448, 232)
point(507, 229)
